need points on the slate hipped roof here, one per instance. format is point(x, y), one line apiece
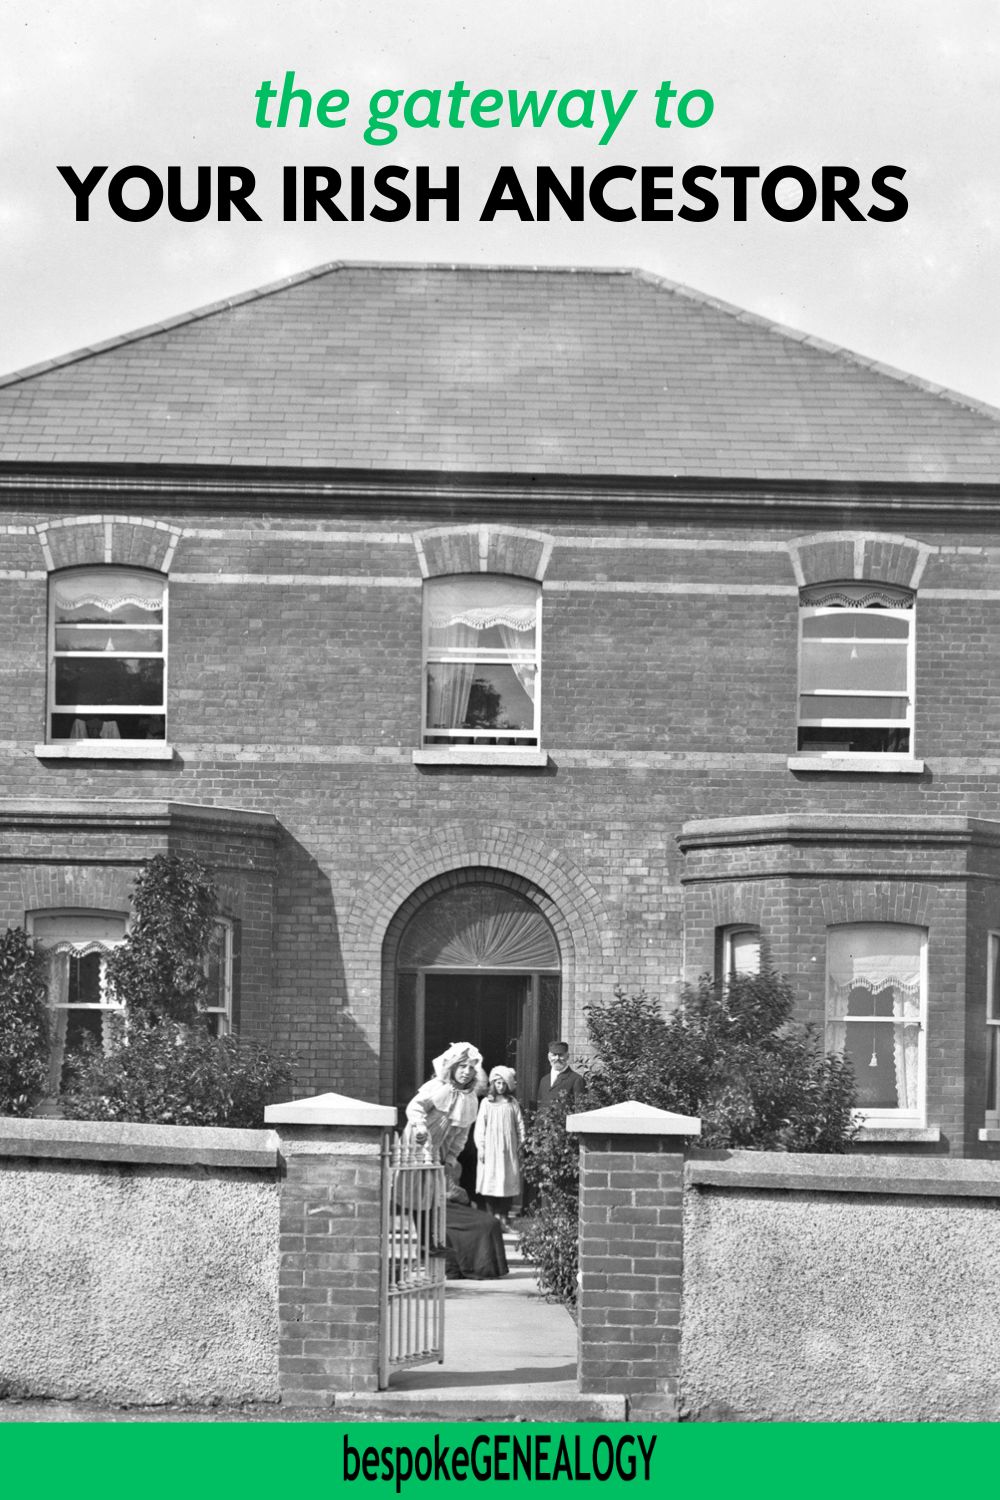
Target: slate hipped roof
point(494, 371)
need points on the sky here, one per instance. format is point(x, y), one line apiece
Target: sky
point(863, 83)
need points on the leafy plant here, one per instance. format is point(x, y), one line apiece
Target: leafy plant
point(170, 1074)
point(24, 1023)
point(159, 970)
point(729, 1054)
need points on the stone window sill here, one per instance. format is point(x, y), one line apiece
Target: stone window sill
point(886, 1134)
point(472, 757)
point(107, 750)
point(884, 765)
point(990, 1133)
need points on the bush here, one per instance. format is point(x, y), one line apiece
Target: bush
point(731, 1055)
point(728, 1054)
point(24, 1023)
point(167, 1074)
point(548, 1235)
point(159, 970)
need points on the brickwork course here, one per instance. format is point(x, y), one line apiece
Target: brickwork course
point(296, 463)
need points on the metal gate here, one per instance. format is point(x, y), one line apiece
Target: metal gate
point(411, 1310)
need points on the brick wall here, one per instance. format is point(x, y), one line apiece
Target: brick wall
point(669, 694)
point(631, 1265)
point(330, 1262)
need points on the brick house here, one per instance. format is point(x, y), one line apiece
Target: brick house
point(501, 635)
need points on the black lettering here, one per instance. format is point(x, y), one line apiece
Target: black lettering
point(600, 203)
point(839, 186)
point(740, 177)
point(81, 190)
point(898, 202)
point(548, 187)
point(769, 190)
point(710, 203)
point(506, 193)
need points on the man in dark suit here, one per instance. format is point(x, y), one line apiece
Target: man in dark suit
point(560, 1079)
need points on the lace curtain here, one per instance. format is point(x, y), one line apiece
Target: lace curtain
point(869, 967)
point(107, 589)
point(460, 612)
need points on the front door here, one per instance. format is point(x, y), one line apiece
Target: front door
point(508, 1016)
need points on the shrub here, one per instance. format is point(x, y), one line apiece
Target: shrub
point(159, 970)
point(731, 1055)
point(24, 1023)
point(547, 1236)
point(728, 1054)
point(170, 1074)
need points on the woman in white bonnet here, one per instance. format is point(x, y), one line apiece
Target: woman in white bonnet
point(443, 1110)
point(440, 1116)
point(499, 1137)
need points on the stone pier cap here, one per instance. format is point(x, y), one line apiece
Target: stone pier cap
point(632, 1118)
point(331, 1109)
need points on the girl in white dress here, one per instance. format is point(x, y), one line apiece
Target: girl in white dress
point(499, 1136)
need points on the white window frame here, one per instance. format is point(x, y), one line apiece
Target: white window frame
point(223, 1013)
point(993, 1029)
point(728, 947)
point(81, 712)
point(107, 1005)
point(905, 1118)
point(858, 599)
point(457, 740)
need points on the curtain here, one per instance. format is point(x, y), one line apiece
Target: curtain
point(459, 612)
point(879, 960)
point(59, 1018)
point(449, 684)
point(108, 589)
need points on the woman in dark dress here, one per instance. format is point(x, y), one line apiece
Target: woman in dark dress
point(473, 1241)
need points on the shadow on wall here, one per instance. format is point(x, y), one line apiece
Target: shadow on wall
point(309, 1018)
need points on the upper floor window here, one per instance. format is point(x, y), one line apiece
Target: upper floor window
point(78, 944)
point(993, 1032)
point(856, 669)
point(107, 655)
point(482, 644)
point(876, 1000)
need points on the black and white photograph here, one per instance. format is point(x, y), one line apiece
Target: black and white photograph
point(500, 748)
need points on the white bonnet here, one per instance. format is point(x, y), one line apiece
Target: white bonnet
point(507, 1074)
point(456, 1053)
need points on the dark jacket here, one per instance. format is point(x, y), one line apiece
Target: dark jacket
point(568, 1082)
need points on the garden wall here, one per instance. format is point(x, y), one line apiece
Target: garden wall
point(826, 1288)
point(138, 1263)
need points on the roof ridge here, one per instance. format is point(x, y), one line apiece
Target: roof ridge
point(678, 288)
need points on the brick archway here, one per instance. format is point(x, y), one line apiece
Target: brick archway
point(506, 857)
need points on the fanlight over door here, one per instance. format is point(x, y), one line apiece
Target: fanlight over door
point(477, 963)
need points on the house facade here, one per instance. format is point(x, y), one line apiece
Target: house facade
point(501, 636)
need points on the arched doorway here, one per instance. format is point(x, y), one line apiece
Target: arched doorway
point(477, 963)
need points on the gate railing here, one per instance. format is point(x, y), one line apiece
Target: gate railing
point(411, 1320)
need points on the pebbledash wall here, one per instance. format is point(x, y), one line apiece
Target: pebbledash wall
point(298, 464)
point(140, 1263)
